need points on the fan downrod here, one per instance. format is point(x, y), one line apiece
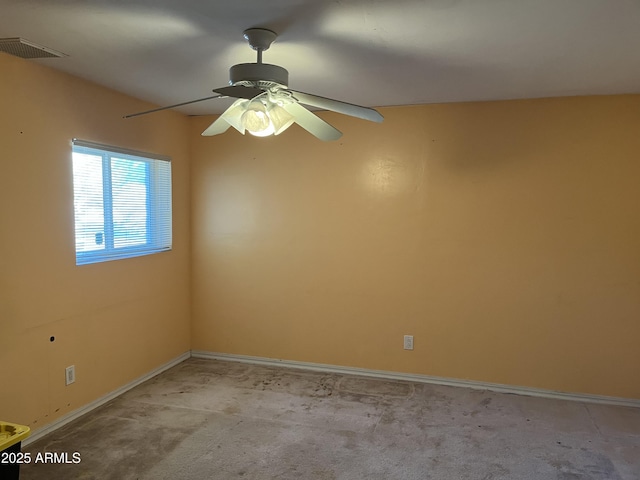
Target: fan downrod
point(260, 39)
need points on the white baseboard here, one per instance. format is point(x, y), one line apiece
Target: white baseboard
point(321, 367)
point(494, 387)
point(37, 434)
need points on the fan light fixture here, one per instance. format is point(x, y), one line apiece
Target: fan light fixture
point(256, 121)
point(261, 117)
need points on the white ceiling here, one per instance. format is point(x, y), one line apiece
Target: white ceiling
point(368, 52)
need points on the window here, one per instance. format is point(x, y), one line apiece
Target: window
point(121, 201)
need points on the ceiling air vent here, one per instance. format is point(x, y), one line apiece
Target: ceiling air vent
point(25, 49)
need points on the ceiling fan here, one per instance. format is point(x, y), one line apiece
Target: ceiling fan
point(265, 104)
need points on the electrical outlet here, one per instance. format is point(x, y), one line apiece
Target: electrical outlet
point(70, 374)
point(408, 342)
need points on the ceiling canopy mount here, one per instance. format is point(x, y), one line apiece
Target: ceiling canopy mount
point(260, 39)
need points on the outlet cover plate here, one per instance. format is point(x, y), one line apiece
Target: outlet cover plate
point(70, 374)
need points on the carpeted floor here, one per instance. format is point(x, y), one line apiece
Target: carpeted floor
point(206, 419)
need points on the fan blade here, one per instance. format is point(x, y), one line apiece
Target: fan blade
point(312, 123)
point(171, 106)
point(229, 118)
point(337, 106)
point(239, 91)
point(216, 128)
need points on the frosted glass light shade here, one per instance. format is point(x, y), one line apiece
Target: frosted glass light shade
point(280, 118)
point(256, 120)
point(233, 114)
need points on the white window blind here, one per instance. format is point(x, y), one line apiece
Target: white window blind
point(122, 202)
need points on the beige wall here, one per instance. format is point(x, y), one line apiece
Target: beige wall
point(505, 236)
point(115, 321)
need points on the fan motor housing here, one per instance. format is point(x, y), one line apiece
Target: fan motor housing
point(256, 72)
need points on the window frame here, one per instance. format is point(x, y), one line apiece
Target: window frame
point(154, 222)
